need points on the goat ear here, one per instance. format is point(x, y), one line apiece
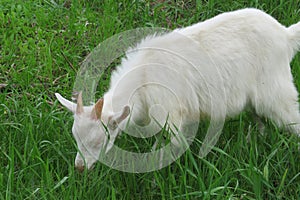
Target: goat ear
point(66, 103)
point(97, 110)
point(125, 112)
point(118, 118)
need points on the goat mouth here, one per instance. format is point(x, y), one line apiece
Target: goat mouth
point(80, 168)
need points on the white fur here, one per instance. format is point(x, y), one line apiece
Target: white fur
point(235, 60)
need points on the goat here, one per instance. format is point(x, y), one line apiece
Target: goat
point(218, 68)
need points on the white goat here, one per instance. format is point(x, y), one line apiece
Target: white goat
point(232, 61)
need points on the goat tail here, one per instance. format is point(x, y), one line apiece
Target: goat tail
point(294, 36)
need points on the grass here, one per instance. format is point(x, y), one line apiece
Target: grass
point(42, 44)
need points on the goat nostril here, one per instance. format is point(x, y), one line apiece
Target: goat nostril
point(80, 168)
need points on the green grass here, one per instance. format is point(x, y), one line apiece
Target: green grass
point(42, 44)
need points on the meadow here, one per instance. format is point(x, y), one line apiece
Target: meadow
point(43, 43)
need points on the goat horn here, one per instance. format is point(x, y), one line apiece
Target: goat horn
point(79, 108)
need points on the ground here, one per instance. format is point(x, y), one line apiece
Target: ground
point(42, 44)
